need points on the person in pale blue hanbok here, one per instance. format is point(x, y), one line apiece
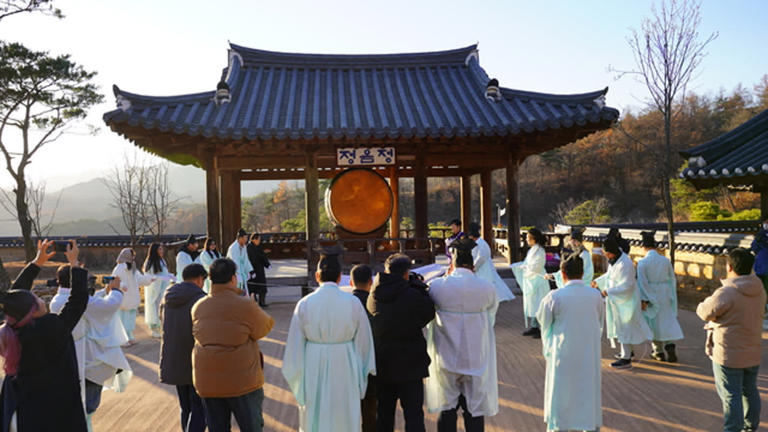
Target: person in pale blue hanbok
point(462, 345)
point(207, 257)
point(483, 264)
point(155, 266)
point(130, 281)
point(530, 275)
point(187, 255)
point(623, 315)
point(571, 321)
point(576, 243)
point(658, 292)
point(238, 253)
point(329, 354)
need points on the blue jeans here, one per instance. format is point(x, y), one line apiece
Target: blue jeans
point(246, 409)
point(737, 389)
point(92, 396)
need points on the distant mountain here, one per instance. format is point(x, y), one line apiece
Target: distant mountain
point(85, 208)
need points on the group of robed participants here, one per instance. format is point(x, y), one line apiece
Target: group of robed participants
point(349, 357)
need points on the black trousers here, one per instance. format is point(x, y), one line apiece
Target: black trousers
point(446, 421)
point(411, 396)
point(369, 405)
point(192, 412)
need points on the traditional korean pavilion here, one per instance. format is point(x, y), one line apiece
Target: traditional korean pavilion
point(736, 158)
point(276, 115)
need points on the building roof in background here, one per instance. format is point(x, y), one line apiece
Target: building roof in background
point(275, 95)
point(737, 157)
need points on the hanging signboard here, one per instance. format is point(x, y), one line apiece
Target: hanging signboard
point(355, 156)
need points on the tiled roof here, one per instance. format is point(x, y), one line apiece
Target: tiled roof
point(741, 154)
point(293, 96)
point(104, 240)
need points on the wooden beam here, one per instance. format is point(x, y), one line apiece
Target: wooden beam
point(466, 200)
point(236, 206)
point(394, 220)
point(486, 206)
point(420, 197)
point(312, 211)
point(513, 207)
point(763, 189)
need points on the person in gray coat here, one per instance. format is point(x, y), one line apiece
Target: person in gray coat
point(177, 343)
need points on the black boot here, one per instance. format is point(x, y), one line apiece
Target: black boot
point(263, 301)
point(671, 355)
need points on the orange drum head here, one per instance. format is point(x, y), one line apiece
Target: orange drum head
point(359, 200)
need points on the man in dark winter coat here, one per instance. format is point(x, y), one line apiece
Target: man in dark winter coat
point(41, 383)
point(400, 308)
point(258, 283)
point(177, 343)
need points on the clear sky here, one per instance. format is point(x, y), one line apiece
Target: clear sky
point(171, 47)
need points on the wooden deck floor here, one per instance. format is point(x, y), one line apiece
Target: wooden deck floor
point(652, 396)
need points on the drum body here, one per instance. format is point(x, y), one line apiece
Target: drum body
point(359, 201)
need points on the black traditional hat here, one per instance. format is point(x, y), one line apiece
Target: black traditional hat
point(648, 239)
point(577, 235)
point(241, 233)
point(611, 245)
point(456, 222)
point(191, 239)
point(474, 229)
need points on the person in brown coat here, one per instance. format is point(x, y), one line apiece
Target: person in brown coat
point(734, 318)
point(227, 366)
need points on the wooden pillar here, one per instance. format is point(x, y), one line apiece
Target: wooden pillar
point(513, 208)
point(420, 199)
point(466, 201)
point(212, 199)
point(394, 221)
point(236, 210)
point(312, 211)
point(227, 195)
point(486, 206)
point(763, 189)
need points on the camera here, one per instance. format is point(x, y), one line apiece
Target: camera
point(107, 279)
point(50, 283)
point(61, 245)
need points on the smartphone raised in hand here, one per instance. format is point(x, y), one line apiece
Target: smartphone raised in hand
point(107, 279)
point(61, 245)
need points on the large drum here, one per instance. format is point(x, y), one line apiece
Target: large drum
point(359, 200)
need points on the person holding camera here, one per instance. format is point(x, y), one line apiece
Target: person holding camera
point(400, 308)
point(41, 391)
point(257, 284)
point(130, 280)
point(83, 333)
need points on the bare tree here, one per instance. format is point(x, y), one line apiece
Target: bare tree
point(36, 198)
point(13, 7)
point(160, 200)
point(668, 49)
point(128, 185)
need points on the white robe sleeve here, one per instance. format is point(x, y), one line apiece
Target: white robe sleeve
point(294, 356)
point(478, 257)
point(624, 283)
point(589, 267)
point(545, 316)
point(534, 264)
point(364, 348)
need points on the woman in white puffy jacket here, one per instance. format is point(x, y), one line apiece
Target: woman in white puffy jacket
point(130, 280)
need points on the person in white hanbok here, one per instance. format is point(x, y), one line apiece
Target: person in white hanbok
point(623, 315)
point(207, 257)
point(153, 293)
point(658, 293)
point(187, 255)
point(530, 275)
point(98, 336)
point(462, 345)
point(577, 245)
point(130, 280)
point(483, 264)
point(329, 354)
point(571, 321)
point(238, 253)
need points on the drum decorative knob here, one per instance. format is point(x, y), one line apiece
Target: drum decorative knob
point(359, 200)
